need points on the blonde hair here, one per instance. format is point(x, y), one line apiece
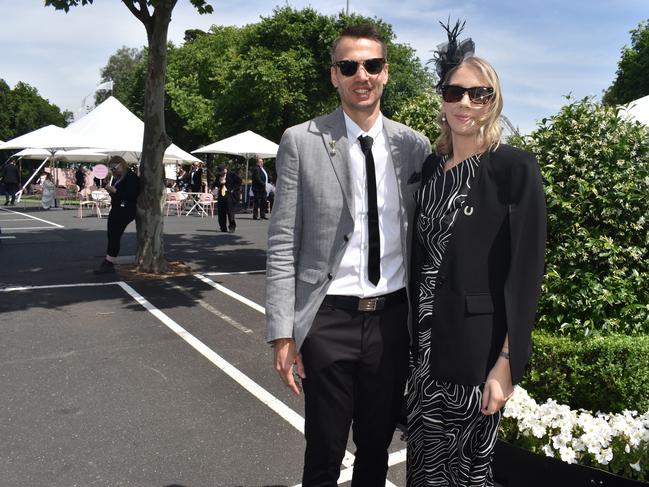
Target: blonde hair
point(120, 161)
point(489, 131)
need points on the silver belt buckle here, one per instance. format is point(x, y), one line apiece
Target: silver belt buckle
point(367, 304)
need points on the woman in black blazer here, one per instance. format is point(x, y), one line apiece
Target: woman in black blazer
point(477, 268)
point(123, 191)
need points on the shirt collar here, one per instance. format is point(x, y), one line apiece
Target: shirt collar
point(353, 130)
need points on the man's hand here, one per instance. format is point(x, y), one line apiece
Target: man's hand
point(498, 388)
point(286, 356)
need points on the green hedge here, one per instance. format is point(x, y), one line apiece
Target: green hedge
point(607, 374)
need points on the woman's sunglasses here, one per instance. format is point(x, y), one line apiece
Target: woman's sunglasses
point(372, 66)
point(479, 95)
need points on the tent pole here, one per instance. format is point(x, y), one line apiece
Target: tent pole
point(247, 196)
point(31, 178)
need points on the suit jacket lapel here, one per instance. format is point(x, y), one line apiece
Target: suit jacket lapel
point(395, 149)
point(334, 135)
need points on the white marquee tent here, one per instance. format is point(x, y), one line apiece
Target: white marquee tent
point(50, 137)
point(50, 141)
point(113, 128)
point(247, 144)
point(73, 155)
point(639, 110)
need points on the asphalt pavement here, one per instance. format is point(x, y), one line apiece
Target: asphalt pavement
point(156, 382)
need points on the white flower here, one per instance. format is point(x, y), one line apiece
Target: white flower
point(567, 454)
point(547, 449)
point(605, 456)
point(574, 433)
point(635, 466)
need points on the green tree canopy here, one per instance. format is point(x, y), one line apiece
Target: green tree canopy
point(273, 74)
point(24, 110)
point(126, 69)
point(632, 79)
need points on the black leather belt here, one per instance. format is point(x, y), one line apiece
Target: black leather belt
point(354, 303)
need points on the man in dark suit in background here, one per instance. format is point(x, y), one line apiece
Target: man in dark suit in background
point(11, 180)
point(227, 188)
point(259, 181)
point(196, 178)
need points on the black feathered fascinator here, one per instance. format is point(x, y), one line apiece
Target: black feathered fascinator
point(451, 53)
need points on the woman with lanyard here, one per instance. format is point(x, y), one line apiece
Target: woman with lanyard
point(123, 191)
point(478, 256)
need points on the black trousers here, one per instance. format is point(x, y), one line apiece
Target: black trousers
point(118, 220)
point(259, 202)
point(10, 192)
point(356, 366)
point(225, 211)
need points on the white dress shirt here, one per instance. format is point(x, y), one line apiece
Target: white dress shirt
point(351, 278)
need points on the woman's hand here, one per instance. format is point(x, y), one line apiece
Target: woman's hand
point(498, 388)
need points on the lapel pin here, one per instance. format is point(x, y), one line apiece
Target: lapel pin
point(332, 148)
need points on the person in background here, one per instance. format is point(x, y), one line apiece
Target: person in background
point(226, 189)
point(477, 267)
point(260, 182)
point(196, 178)
point(80, 177)
point(337, 267)
point(123, 199)
point(11, 181)
point(49, 191)
point(184, 179)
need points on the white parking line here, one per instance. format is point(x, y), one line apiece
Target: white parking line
point(26, 228)
point(213, 310)
point(57, 286)
point(230, 293)
point(34, 218)
point(261, 271)
point(293, 418)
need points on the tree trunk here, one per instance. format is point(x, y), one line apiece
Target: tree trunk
point(150, 219)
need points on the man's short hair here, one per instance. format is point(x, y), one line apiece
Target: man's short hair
point(361, 31)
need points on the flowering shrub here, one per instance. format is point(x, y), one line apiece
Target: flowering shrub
point(420, 113)
point(618, 443)
point(595, 164)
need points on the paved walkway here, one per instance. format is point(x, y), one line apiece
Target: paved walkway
point(142, 383)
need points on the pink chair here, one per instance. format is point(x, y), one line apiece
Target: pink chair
point(85, 199)
point(101, 199)
point(173, 199)
point(205, 201)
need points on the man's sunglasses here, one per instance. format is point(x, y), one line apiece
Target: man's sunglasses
point(479, 95)
point(372, 66)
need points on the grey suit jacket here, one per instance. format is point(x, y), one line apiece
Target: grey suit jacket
point(312, 220)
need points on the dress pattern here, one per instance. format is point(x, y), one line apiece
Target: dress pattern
point(450, 442)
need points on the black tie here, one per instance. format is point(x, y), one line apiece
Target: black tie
point(374, 247)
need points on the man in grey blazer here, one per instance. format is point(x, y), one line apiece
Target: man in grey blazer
point(338, 240)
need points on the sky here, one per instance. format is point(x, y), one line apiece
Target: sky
point(543, 50)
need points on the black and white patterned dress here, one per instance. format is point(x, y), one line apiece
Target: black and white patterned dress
point(450, 441)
